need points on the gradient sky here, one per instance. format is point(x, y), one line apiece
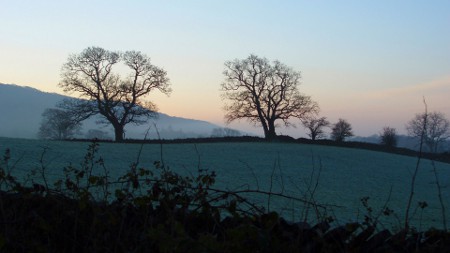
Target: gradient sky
point(370, 62)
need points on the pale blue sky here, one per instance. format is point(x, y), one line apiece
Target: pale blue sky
point(370, 62)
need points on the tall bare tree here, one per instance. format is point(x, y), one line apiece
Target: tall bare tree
point(434, 126)
point(119, 100)
point(57, 124)
point(341, 130)
point(315, 127)
point(263, 92)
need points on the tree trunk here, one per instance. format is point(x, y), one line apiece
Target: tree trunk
point(264, 125)
point(266, 132)
point(270, 134)
point(118, 132)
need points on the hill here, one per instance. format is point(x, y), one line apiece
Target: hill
point(21, 109)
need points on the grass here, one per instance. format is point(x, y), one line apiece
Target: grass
point(158, 210)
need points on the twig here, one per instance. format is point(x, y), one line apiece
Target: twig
point(141, 148)
point(413, 181)
point(444, 219)
point(253, 173)
point(198, 157)
point(383, 209)
point(271, 185)
point(41, 161)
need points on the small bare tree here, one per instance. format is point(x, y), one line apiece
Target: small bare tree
point(388, 137)
point(264, 92)
point(58, 124)
point(225, 132)
point(315, 127)
point(437, 129)
point(341, 130)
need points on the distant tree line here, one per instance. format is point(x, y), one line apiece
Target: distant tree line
point(254, 89)
point(225, 132)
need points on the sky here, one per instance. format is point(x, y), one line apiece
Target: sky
point(369, 62)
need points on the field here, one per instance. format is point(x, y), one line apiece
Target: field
point(343, 175)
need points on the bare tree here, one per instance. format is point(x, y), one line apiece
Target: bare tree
point(118, 100)
point(225, 132)
point(341, 130)
point(57, 124)
point(437, 128)
point(263, 92)
point(315, 127)
point(388, 137)
point(229, 132)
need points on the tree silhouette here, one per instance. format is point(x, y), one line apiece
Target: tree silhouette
point(341, 130)
point(263, 92)
point(119, 100)
point(225, 132)
point(315, 127)
point(435, 128)
point(58, 124)
point(388, 137)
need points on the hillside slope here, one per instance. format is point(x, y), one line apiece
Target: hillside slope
point(21, 109)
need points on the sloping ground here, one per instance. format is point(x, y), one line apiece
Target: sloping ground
point(441, 157)
point(36, 222)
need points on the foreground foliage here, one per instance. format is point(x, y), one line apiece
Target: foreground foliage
point(161, 211)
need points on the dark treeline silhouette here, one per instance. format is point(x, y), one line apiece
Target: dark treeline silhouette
point(441, 157)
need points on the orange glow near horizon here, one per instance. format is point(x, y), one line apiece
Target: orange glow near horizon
point(372, 69)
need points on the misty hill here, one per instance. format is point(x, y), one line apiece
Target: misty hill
point(21, 109)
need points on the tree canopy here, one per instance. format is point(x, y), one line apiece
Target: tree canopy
point(341, 130)
point(120, 100)
point(315, 127)
point(263, 92)
point(388, 137)
point(57, 124)
point(434, 127)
